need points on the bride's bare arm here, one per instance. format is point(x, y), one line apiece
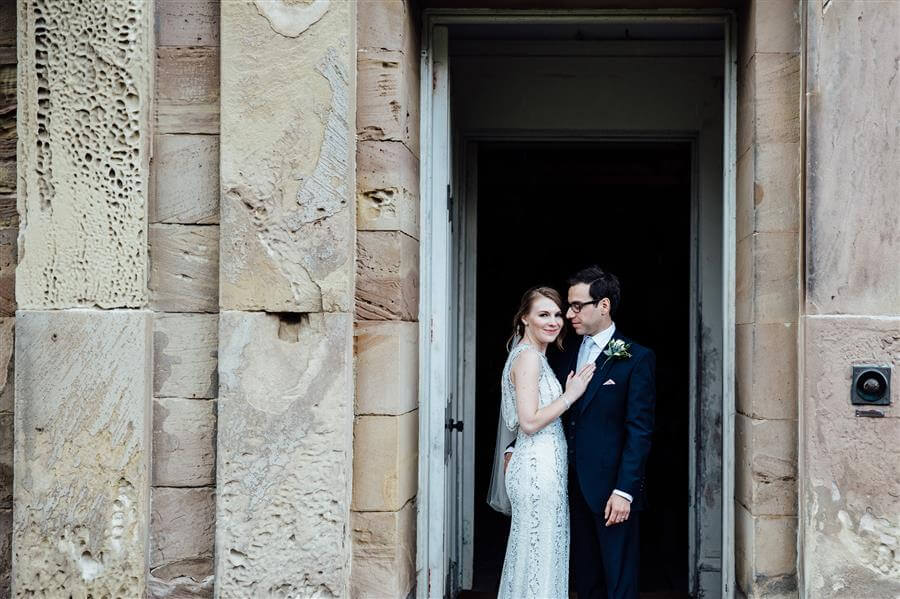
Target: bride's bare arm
point(526, 372)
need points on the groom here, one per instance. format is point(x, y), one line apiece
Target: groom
point(608, 433)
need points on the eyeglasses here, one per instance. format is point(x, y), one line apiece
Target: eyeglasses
point(577, 306)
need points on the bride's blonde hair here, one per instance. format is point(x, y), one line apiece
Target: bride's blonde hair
point(525, 307)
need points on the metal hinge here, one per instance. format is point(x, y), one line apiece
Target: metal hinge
point(454, 425)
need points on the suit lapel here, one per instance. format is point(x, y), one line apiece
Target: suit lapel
point(603, 367)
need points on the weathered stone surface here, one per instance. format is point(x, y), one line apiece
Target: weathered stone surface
point(8, 260)
point(187, 90)
point(284, 454)
point(185, 355)
point(186, 175)
point(387, 188)
point(766, 466)
point(187, 22)
point(744, 310)
point(852, 154)
point(746, 101)
point(387, 276)
point(773, 26)
point(184, 268)
point(7, 364)
point(6, 459)
point(182, 525)
point(184, 442)
point(83, 158)
point(82, 452)
point(766, 376)
point(383, 96)
point(765, 555)
point(777, 98)
point(186, 579)
point(387, 367)
point(287, 157)
point(384, 553)
point(852, 498)
point(767, 278)
point(5, 552)
point(385, 456)
point(384, 25)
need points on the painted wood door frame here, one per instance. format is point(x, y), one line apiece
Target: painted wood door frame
point(436, 173)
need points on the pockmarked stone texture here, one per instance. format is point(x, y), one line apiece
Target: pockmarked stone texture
point(852, 493)
point(82, 453)
point(852, 156)
point(184, 442)
point(384, 553)
point(287, 156)
point(185, 355)
point(83, 157)
point(284, 454)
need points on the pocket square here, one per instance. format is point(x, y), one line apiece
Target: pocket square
point(609, 382)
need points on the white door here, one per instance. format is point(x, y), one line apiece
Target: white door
point(437, 519)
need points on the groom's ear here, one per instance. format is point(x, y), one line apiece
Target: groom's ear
point(605, 304)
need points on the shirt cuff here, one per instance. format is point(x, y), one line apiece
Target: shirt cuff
point(508, 450)
point(623, 494)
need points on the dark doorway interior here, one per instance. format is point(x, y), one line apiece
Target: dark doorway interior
point(535, 203)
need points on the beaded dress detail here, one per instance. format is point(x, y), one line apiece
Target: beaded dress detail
point(537, 554)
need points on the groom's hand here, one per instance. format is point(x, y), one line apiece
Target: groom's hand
point(617, 510)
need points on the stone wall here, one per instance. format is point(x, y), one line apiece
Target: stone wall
point(767, 299)
point(9, 228)
point(851, 464)
point(286, 280)
point(386, 427)
point(83, 351)
point(184, 290)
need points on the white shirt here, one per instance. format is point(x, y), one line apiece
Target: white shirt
point(601, 339)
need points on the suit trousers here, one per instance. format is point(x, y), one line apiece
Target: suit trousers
point(605, 559)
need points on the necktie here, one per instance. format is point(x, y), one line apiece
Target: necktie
point(584, 353)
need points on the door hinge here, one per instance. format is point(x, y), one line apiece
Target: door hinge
point(454, 425)
point(449, 203)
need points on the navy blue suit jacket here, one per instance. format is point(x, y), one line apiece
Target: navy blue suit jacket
point(609, 429)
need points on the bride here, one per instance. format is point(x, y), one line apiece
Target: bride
point(537, 554)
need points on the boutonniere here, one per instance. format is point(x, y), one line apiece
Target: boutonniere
point(617, 349)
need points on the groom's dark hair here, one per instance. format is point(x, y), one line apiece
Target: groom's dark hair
point(602, 284)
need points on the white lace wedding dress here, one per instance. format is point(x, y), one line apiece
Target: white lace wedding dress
point(537, 555)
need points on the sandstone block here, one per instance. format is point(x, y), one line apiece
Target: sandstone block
point(765, 555)
point(384, 553)
point(852, 464)
point(387, 276)
point(185, 579)
point(84, 183)
point(187, 180)
point(184, 268)
point(8, 261)
point(852, 180)
point(7, 364)
point(6, 460)
point(5, 552)
point(387, 367)
point(82, 452)
point(287, 156)
point(776, 277)
point(187, 90)
point(776, 187)
point(182, 525)
point(774, 27)
point(745, 305)
point(766, 377)
point(185, 355)
point(383, 111)
point(385, 457)
point(744, 184)
point(383, 25)
point(777, 117)
point(187, 22)
point(746, 101)
point(284, 454)
point(184, 442)
point(387, 188)
point(766, 466)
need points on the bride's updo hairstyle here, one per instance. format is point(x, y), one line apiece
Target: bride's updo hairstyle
point(525, 307)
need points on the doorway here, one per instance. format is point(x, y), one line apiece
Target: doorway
point(532, 198)
point(527, 128)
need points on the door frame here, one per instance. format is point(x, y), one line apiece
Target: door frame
point(436, 383)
